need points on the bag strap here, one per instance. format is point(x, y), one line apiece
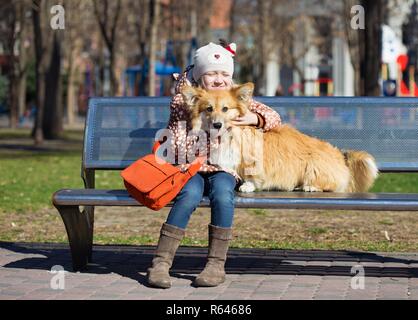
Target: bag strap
point(156, 146)
point(195, 165)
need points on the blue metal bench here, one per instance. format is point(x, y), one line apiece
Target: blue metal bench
point(120, 130)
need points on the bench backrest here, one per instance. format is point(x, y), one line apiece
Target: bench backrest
point(120, 130)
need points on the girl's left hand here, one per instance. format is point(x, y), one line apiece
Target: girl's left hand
point(248, 119)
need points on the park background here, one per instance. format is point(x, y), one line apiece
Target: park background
point(131, 47)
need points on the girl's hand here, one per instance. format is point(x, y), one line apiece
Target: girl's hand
point(248, 119)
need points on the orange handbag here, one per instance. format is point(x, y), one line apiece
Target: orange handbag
point(154, 182)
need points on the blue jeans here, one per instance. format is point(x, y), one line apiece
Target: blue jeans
point(218, 186)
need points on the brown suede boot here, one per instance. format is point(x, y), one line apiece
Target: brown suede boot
point(214, 272)
point(170, 238)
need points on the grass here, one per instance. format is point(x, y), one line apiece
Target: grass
point(258, 211)
point(396, 182)
point(29, 176)
point(317, 230)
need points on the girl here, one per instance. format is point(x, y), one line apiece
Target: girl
point(212, 70)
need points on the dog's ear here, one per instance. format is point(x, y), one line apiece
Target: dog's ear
point(244, 92)
point(190, 95)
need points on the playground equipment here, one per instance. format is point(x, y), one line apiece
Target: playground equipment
point(137, 75)
point(134, 77)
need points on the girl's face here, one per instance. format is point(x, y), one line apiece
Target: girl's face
point(216, 80)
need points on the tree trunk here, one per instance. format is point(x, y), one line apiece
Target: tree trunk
point(373, 46)
point(13, 19)
point(21, 95)
point(232, 26)
point(114, 83)
point(23, 59)
point(71, 98)
point(100, 67)
point(72, 86)
point(38, 10)
point(204, 16)
point(365, 46)
point(13, 101)
point(52, 120)
point(73, 42)
point(262, 11)
point(155, 17)
point(108, 26)
point(142, 33)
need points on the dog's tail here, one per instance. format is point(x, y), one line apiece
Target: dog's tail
point(363, 170)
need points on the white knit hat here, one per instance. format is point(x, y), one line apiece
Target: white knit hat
point(213, 57)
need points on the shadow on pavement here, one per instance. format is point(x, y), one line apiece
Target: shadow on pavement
point(131, 261)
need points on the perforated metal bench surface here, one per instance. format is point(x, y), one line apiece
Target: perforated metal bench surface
point(120, 130)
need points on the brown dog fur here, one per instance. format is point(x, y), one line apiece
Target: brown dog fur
point(287, 159)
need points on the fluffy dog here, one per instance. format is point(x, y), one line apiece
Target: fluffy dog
point(280, 159)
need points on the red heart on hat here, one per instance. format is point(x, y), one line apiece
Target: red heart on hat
point(217, 56)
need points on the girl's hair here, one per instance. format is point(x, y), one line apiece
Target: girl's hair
point(223, 42)
point(199, 83)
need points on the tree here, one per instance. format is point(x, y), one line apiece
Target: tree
point(52, 125)
point(263, 23)
point(41, 65)
point(77, 24)
point(276, 32)
point(48, 119)
point(181, 28)
point(107, 13)
point(154, 21)
point(141, 27)
point(13, 32)
point(204, 9)
point(365, 45)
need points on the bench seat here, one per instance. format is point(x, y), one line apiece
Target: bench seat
point(271, 199)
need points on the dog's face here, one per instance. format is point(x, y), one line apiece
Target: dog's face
point(214, 109)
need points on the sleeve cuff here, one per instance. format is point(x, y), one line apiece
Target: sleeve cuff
point(260, 122)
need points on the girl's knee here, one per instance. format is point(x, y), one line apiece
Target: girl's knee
point(226, 179)
point(223, 196)
point(222, 189)
point(193, 190)
point(191, 196)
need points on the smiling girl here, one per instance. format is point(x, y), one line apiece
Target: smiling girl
point(212, 70)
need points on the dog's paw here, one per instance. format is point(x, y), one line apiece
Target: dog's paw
point(311, 189)
point(247, 187)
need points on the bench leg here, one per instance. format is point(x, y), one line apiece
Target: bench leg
point(79, 231)
point(89, 212)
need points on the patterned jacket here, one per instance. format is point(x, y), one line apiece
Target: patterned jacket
point(179, 126)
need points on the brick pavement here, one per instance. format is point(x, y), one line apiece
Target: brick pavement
point(118, 272)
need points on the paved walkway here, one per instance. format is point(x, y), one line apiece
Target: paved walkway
point(119, 273)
